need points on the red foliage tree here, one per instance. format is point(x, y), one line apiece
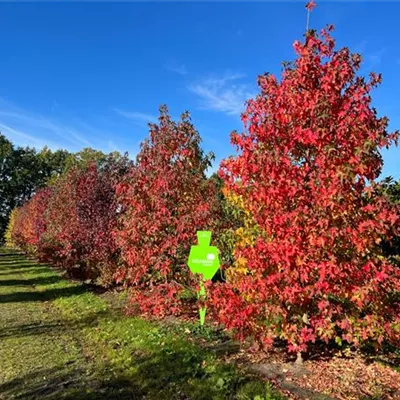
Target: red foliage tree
point(57, 242)
point(312, 268)
point(18, 233)
point(29, 222)
point(81, 217)
point(165, 199)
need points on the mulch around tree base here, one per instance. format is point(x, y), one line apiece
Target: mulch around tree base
point(354, 377)
point(351, 378)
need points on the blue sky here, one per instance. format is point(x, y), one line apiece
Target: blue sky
point(74, 74)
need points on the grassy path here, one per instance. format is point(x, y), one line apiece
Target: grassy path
point(60, 341)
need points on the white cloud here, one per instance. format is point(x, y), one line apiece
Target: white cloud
point(28, 128)
point(54, 106)
point(360, 47)
point(223, 94)
point(175, 66)
point(371, 57)
point(238, 33)
point(375, 58)
point(112, 146)
point(28, 140)
point(138, 118)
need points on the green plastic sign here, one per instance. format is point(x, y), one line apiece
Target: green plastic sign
point(203, 260)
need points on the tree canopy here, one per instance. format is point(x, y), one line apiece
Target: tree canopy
point(308, 262)
point(22, 171)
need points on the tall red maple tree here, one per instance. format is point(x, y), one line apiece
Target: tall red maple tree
point(165, 198)
point(305, 173)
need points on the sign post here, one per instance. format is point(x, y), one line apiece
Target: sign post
point(203, 260)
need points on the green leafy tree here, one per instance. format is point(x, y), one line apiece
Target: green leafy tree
point(84, 158)
point(22, 171)
point(6, 156)
point(391, 189)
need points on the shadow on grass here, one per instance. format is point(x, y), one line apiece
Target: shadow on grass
point(32, 268)
point(157, 375)
point(45, 295)
point(113, 367)
point(9, 264)
point(166, 375)
point(54, 327)
point(10, 254)
point(19, 264)
point(16, 260)
point(24, 330)
point(68, 384)
point(33, 281)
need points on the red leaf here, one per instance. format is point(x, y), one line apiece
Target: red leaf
point(311, 5)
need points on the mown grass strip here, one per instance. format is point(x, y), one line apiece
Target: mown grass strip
point(61, 341)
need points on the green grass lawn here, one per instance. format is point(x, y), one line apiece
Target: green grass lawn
point(58, 340)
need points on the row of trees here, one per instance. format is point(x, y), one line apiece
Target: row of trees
point(297, 212)
point(71, 222)
point(22, 172)
point(116, 221)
